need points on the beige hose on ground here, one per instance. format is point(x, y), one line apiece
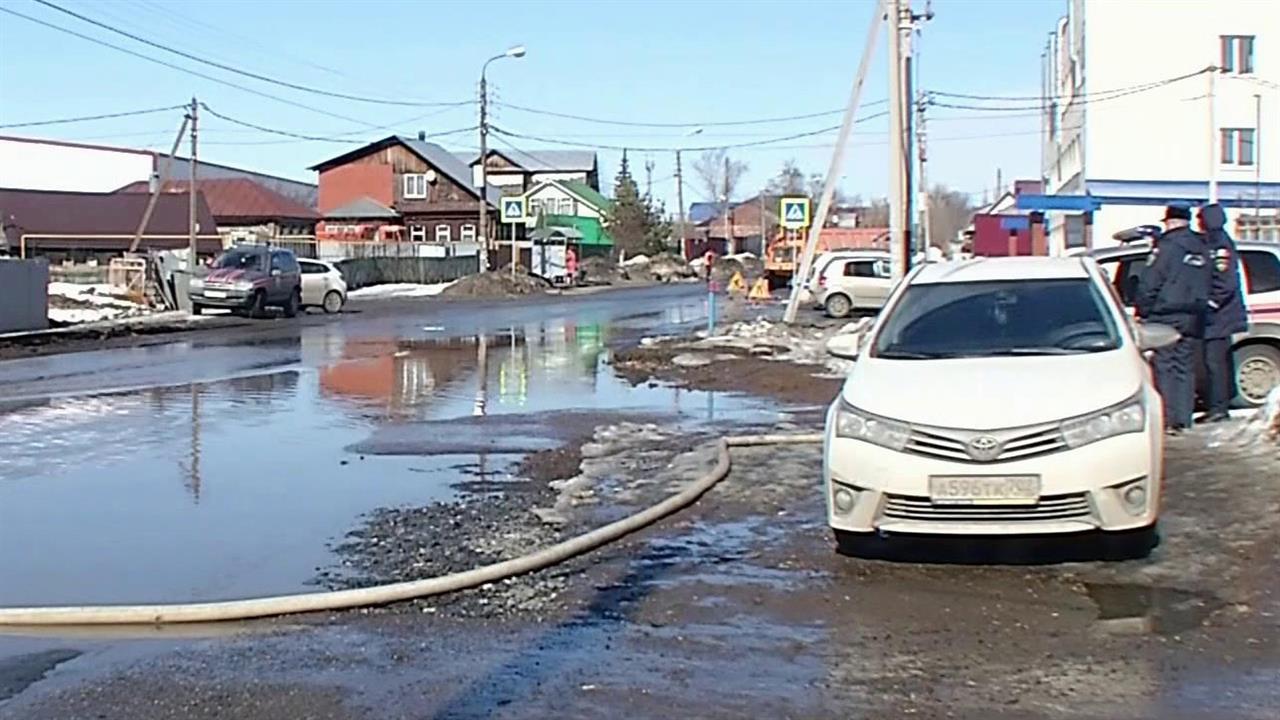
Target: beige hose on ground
point(394, 592)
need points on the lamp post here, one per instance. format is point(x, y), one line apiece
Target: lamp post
point(514, 52)
point(680, 189)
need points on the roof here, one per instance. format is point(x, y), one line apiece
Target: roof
point(702, 211)
point(986, 269)
point(542, 160)
point(237, 199)
point(53, 212)
point(442, 160)
point(565, 231)
point(581, 190)
point(363, 207)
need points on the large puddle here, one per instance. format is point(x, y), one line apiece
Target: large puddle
point(233, 487)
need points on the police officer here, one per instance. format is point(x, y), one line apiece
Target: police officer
point(1226, 314)
point(1175, 291)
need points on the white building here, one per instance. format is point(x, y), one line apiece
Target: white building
point(1134, 118)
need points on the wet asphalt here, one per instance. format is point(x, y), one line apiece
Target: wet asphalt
point(227, 462)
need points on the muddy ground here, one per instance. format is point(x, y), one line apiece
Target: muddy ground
point(736, 607)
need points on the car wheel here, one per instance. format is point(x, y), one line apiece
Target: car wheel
point(839, 306)
point(1131, 544)
point(1257, 373)
point(197, 309)
point(292, 304)
point(332, 301)
point(258, 305)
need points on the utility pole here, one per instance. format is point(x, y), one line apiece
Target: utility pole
point(898, 249)
point(728, 230)
point(680, 200)
point(837, 161)
point(481, 192)
point(158, 179)
point(923, 148)
point(648, 177)
point(1213, 134)
point(906, 28)
point(191, 191)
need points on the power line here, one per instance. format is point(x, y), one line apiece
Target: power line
point(730, 146)
point(246, 73)
point(87, 118)
point(632, 123)
point(179, 68)
point(301, 136)
point(1012, 98)
point(1086, 100)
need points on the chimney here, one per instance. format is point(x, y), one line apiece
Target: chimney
point(422, 134)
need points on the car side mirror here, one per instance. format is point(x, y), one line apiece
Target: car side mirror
point(846, 346)
point(1155, 336)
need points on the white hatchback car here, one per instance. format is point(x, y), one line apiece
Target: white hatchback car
point(998, 396)
point(322, 285)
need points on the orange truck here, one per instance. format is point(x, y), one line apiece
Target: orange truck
point(784, 251)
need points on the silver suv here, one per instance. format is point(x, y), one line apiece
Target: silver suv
point(1257, 352)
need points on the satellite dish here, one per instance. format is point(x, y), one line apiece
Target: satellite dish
point(431, 176)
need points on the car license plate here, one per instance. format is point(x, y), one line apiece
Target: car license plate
point(984, 489)
point(215, 293)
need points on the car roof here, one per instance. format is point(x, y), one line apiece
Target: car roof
point(987, 269)
point(870, 252)
point(1139, 248)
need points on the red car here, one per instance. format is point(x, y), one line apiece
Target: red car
point(249, 279)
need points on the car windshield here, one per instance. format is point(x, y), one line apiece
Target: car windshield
point(239, 261)
point(1004, 318)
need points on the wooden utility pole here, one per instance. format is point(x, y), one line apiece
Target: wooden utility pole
point(680, 201)
point(923, 150)
point(482, 191)
point(837, 161)
point(158, 178)
point(192, 228)
point(728, 228)
point(898, 250)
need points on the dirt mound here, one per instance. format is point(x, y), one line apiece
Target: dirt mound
point(749, 265)
point(667, 268)
point(497, 284)
point(602, 271)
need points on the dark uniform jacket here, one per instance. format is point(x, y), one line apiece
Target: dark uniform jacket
point(1175, 288)
point(1227, 315)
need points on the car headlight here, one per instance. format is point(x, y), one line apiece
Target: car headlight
point(243, 286)
point(196, 284)
point(854, 424)
point(1129, 416)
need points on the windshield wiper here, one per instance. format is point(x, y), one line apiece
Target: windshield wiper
point(912, 355)
point(1046, 350)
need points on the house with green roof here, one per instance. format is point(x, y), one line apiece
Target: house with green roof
point(572, 210)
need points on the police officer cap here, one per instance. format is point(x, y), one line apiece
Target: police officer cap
point(1177, 212)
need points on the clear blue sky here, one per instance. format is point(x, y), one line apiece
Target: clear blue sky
point(694, 61)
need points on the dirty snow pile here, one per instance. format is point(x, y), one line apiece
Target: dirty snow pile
point(400, 290)
point(1259, 427)
point(71, 303)
point(497, 284)
point(602, 271)
point(789, 343)
point(666, 267)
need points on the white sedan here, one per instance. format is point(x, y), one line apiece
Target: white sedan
point(322, 285)
point(1001, 396)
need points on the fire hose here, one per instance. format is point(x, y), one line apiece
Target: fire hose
point(249, 608)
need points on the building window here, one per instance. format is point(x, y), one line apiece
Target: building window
point(418, 233)
point(1237, 54)
point(535, 207)
point(415, 186)
point(468, 233)
point(1238, 146)
point(566, 206)
point(443, 233)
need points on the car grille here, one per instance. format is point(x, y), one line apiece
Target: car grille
point(1049, 507)
point(1017, 444)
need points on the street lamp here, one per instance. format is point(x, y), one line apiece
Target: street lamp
point(680, 188)
point(516, 51)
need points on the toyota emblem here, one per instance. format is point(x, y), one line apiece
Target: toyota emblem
point(983, 448)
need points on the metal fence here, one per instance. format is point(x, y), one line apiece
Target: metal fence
point(361, 272)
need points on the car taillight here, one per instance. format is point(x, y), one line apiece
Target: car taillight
point(822, 281)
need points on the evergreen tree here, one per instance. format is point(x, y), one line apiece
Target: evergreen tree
point(637, 224)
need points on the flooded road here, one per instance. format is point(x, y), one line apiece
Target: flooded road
point(222, 468)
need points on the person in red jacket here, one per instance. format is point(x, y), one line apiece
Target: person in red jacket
point(571, 264)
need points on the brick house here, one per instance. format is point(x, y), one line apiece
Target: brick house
point(247, 211)
point(427, 188)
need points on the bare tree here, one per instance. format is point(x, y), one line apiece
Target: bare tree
point(949, 213)
point(874, 213)
point(788, 181)
point(718, 174)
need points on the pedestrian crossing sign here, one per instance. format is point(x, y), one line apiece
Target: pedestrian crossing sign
point(513, 209)
point(795, 213)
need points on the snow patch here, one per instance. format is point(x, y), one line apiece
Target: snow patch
point(400, 290)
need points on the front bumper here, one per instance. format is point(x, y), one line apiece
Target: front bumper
point(227, 298)
point(1081, 489)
